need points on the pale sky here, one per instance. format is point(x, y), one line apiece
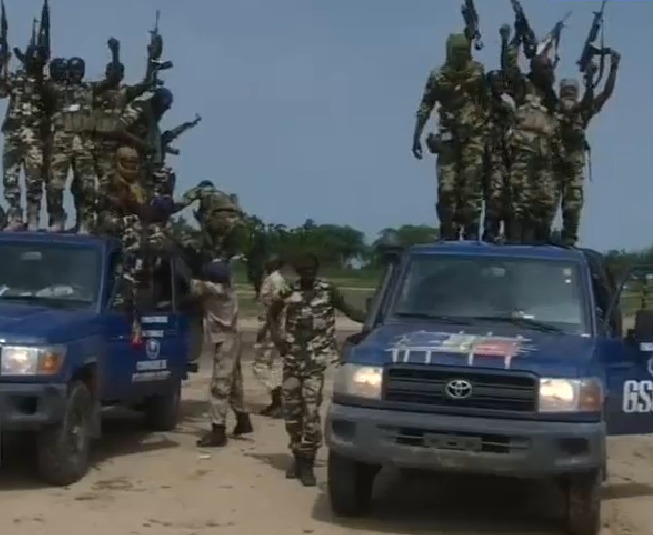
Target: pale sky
point(309, 105)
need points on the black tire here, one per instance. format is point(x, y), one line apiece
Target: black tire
point(583, 504)
point(63, 449)
point(162, 412)
point(350, 484)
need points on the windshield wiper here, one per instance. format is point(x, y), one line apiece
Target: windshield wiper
point(435, 317)
point(521, 322)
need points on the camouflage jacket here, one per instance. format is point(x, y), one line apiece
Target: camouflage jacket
point(573, 124)
point(310, 327)
point(71, 107)
point(138, 119)
point(220, 304)
point(462, 96)
point(26, 101)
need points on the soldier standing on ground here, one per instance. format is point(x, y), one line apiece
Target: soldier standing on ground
point(221, 315)
point(459, 88)
point(574, 116)
point(274, 286)
point(306, 346)
point(72, 146)
point(533, 143)
point(23, 137)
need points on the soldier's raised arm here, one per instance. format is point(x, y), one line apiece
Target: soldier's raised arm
point(510, 57)
point(339, 303)
point(429, 99)
point(599, 100)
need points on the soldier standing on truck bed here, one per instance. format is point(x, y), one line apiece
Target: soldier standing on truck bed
point(459, 87)
point(220, 303)
point(306, 346)
point(574, 116)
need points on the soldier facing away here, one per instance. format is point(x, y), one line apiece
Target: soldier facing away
point(574, 116)
point(221, 312)
point(23, 142)
point(308, 342)
point(459, 88)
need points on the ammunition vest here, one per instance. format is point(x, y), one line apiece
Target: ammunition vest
point(535, 126)
point(73, 108)
point(461, 100)
point(109, 107)
point(26, 106)
point(572, 128)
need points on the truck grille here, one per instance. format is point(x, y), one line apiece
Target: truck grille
point(427, 386)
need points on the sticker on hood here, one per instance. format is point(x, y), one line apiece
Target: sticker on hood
point(420, 347)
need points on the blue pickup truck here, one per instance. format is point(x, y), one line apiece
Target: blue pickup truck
point(478, 358)
point(67, 344)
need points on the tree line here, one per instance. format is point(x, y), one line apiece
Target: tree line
point(342, 246)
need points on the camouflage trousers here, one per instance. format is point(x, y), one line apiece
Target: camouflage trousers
point(533, 192)
point(226, 379)
point(459, 170)
point(72, 151)
point(303, 382)
point(497, 189)
point(570, 182)
point(23, 148)
point(267, 366)
point(105, 162)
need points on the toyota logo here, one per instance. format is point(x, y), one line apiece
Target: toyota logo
point(458, 389)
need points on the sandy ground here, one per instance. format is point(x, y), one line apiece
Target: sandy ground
point(161, 484)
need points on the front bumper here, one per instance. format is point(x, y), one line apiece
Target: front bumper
point(516, 448)
point(30, 406)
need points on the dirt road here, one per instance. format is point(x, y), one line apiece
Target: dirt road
point(160, 484)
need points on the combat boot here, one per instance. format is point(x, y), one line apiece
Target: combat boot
point(215, 438)
point(273, 410)
point(57, 221)
point(306, 472)
point(33, 217)
point(14, 219)
point(448, 232)
point(292, 472)
point(243, 424)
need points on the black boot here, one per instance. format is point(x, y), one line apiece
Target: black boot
point(292, 472)
point(273, 410)
point(306, 473)
point(215, 438)
point(243, 424)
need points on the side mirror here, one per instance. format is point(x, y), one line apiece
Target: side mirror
point(643, 330)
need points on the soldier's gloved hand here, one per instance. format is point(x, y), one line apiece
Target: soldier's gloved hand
point(417, 149)
point(504, 31)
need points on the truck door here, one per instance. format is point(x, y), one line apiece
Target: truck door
point(190, 315)
point(629, 356)
point(153, 362)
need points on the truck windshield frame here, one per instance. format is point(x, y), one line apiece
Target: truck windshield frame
point(51, 274)
point(467, 289)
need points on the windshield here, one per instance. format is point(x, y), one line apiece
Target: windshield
point(537, 293)
point(49, 274)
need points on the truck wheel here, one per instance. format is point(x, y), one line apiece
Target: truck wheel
point(583, 501)
point(62, 449)
point(162, 412)
point(350, 485)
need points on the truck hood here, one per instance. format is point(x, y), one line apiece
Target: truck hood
point(35, 324)
point(480, 346)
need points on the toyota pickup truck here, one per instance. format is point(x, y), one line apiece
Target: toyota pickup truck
point(481, 358)
point(68, 347)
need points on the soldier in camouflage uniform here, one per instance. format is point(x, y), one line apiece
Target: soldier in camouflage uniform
point(221, 315)
point(308, 342)
point(533, 144)
point(574, 116)
point(23, 142)
point(459, 88)
point(219, 214)
point(72, 145)
point(497, 183)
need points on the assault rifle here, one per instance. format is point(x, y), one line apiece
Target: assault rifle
point(154, 52)
point(4, 43)
point(586, 61)
point(169, 136)
point(553, 39)
point(524, 34)
point(472, 31)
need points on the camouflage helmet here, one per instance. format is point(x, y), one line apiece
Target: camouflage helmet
point(128, 164)
point(569, 83)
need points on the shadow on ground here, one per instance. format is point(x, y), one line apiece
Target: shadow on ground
point(454, 504)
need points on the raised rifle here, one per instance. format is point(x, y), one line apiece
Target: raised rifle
point(169, 136)
point(524, 34)
point(553, 38)
point(585, 63)
point(42, 39)
point(472, 29)
point(154, 52)
point(4, 42)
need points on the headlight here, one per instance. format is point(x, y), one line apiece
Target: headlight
point(570, 395)
point(358, 381)
point(25, 360)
